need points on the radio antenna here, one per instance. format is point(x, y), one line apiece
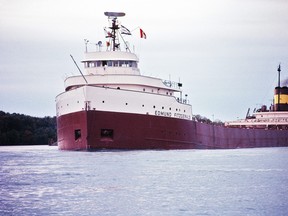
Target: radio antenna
point(79, 69)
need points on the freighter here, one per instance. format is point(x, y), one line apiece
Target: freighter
point(113, 106)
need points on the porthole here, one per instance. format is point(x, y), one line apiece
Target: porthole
point(103, 101)
point(77, 134)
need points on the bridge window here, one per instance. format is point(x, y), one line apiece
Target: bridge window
point(104, 63)
point(123, 64)
point(134, 64)
point(86, 64)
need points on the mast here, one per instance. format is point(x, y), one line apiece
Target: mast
point(278, 104)
point(279, 70)
point(114, 27)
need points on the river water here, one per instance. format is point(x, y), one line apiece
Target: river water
point(41, 180)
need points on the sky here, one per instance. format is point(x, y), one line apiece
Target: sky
point(225, 52)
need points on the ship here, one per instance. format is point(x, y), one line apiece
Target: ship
point(114, 106)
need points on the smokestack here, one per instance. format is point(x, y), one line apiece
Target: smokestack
point(281, 99)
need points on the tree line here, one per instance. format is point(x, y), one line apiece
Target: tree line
point(203, 119)
point(19, 129)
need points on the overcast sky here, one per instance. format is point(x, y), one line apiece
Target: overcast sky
point(225, 52)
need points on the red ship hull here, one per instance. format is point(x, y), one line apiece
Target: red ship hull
point(92, 130)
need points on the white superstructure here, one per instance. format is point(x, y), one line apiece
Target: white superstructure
point(113, 83)
point(267, 120)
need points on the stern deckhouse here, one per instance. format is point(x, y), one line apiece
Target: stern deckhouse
point(276, 117)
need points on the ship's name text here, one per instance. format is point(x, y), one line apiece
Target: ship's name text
point(169, 114)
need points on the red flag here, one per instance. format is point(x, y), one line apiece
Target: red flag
point(107, 34)
point(142, 34)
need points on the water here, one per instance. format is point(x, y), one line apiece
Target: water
point(40, 180)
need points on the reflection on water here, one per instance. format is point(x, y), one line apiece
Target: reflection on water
point(41, 180)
